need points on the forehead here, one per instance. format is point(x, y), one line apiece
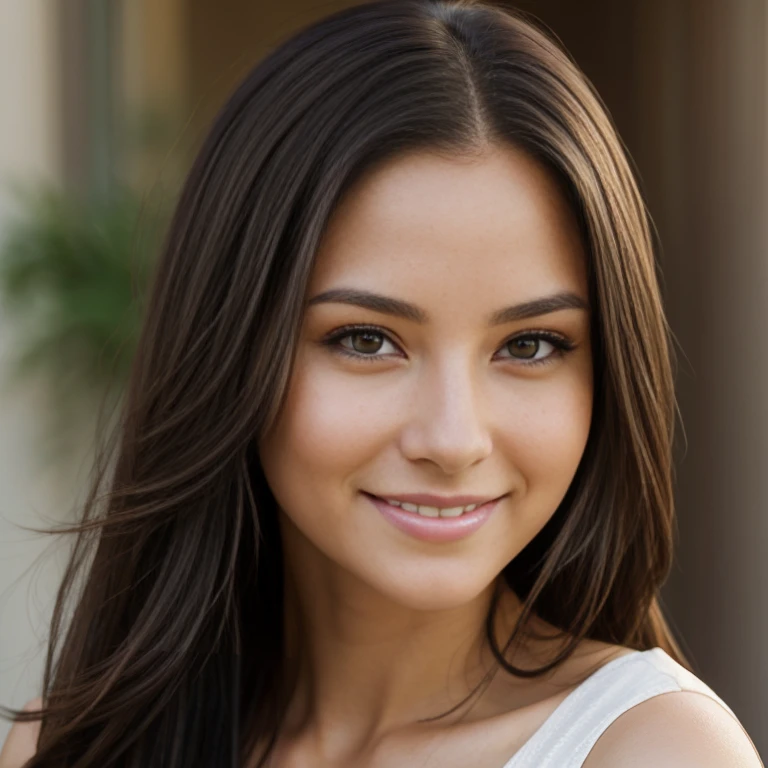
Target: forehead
point(497, 221)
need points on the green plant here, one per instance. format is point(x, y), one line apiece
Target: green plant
point(72, 277)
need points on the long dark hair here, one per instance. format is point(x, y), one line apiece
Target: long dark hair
point(167, 636)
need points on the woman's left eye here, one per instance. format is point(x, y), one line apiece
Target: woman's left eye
point(369, 343)
point(532, 348)
point(538, 347)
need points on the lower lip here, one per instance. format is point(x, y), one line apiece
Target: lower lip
point(435, 529)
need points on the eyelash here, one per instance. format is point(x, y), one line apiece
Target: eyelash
point(561, 344)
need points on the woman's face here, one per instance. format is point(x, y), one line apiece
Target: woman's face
point(444, 351)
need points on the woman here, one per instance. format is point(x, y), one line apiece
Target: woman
point(393, 482)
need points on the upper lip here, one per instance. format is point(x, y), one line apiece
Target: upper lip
point(430, 500)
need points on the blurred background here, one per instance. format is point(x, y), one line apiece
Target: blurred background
point(102, 105)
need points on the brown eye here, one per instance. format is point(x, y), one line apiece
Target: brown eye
point(362, 343)
point(524, 348)
point(366, 342)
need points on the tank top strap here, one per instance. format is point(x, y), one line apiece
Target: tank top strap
point(567, 736)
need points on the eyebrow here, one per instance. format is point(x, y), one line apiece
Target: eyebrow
point(399, 308)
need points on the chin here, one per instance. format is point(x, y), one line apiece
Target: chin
point(436, 587)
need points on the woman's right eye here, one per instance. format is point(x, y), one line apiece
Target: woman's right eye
point(361, 343)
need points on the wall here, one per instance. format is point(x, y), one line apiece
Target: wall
point(701, 137)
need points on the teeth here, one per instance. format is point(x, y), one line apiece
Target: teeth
point(431, 511)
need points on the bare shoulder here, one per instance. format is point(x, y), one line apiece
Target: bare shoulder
point(681, 729)
point(21, 743)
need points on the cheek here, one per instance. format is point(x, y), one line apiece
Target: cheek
point(328, 428)
point(545, 436)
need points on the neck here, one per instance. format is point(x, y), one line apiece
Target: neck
point(366, 665)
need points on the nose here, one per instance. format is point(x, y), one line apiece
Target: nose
point(446, 423)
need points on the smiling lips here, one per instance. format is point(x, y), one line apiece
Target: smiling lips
point(433, 518)
point(430, 511)
point(428, 501)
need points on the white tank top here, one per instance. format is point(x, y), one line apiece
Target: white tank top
point(569, 733)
